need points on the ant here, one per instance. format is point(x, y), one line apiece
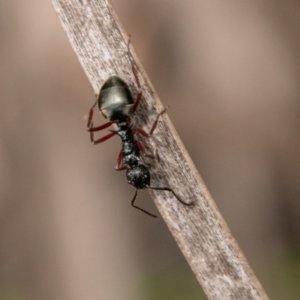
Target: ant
point(116, 104)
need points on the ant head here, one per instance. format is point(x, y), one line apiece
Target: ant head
point(138, 176)
point(115, 100)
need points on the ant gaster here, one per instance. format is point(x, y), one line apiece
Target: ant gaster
point(116, 104)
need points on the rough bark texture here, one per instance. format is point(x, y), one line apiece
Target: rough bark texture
point(99, 41)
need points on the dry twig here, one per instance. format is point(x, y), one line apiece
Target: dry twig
point(99, 41)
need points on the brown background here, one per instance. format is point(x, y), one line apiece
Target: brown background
point(230, 72)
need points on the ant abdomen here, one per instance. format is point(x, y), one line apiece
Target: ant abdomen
point(115, 100)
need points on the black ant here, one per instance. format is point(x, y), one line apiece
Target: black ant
point(116, 104)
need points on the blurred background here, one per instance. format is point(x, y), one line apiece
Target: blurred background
point(229, 70)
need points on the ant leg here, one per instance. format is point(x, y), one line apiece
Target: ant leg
point(135, 74)
point(91, 112)
point(137, 207)
point(90, 127)
point(119, 166)
point(90, 121)
point(170, 190)
point(134, 70)
point(143, 132)
point(137, 101)
point(143, 151)
point(101, 127)
point(90, 117)
point(103, 139)
point(155, 122)
point(93, 129)
point(139, 95)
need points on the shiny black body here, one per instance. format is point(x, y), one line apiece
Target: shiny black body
point(130, 149)
point(138, 176)
point(115, 100)
point(116, 104)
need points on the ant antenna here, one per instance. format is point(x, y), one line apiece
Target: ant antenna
point(170, 190)
point(137, 207)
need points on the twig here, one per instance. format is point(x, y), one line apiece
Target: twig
point(99, 41)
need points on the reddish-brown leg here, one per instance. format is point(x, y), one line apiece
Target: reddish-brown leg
point(90, 117)
point(139, 96)
point(101, 127)
point(134, 71)
point(103, 139)
point(143, 132)
point(90, 122)
point(91, 112)
point(137, 102)
point(143, 151)
point(136, 77)
point(92, 129)
point(119, 166)
point(135, 74)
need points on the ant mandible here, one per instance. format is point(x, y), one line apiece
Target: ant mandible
point(116, 104)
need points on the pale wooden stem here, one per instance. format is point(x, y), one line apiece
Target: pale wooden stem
point(99, 42)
